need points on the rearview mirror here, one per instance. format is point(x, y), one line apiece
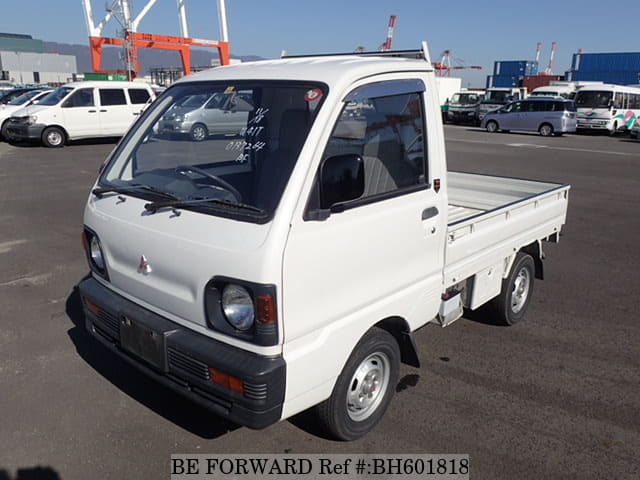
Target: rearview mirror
point(341, 180)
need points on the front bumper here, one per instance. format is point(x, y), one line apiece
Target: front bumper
point(181, 359)
point(592, 124)
point(24, 131)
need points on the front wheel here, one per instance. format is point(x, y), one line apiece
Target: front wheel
point(198, 132)
point(364, 388)
point(53, 137)
point(517, 289)
point(4, 131)
point(492, 127)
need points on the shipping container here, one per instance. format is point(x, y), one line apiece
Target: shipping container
point(504, 81)
point(613, 77)
point(515, 67)
point(535, 81)
point(602, 62)
point(118, 77)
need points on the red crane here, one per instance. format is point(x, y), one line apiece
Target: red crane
point(386, 46)
point(444, 66)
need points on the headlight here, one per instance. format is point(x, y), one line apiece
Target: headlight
point(237, 306)
point(32, 119)
point(95, 251)
point(179, 118)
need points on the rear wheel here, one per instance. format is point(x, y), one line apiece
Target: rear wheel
point(491, 126)
point(517, 289)
point(53, 137)
point(546, 130)
point(364, 388)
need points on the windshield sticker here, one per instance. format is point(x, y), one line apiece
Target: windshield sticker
point(313, 94)
point(250, 134)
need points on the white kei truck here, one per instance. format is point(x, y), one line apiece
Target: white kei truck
point(287, 266)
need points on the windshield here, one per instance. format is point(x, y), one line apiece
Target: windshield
point(24, 98)
point(497, 97)
point(464, 98)
point(593, 99)
point(54, 97)
point(231, 158)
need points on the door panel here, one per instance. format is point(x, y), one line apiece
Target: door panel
point(80, 114)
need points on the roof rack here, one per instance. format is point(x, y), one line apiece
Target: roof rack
point(422, 54)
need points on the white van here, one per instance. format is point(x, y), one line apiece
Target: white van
point(81, 110)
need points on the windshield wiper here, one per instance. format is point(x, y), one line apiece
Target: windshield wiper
point(99, 191)
point(153, 207)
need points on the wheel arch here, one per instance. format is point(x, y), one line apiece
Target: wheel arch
point(399, 328)
point(64, 130)
point(535, 250)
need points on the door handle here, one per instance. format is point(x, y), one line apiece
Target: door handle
point(136, 113)
point(102, 111)
point(430, 212)
point(91, 111)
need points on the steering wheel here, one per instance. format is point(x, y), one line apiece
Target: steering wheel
point(224, 185)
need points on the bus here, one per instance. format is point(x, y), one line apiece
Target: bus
point(613, 108)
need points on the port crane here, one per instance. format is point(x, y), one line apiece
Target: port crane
point(445, 65)
point(132, 40)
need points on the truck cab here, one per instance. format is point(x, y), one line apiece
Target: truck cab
point(286, 266)
point(464, 107)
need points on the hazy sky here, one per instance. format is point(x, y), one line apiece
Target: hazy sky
point(478, 33)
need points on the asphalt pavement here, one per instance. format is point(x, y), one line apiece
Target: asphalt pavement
point(556, 396)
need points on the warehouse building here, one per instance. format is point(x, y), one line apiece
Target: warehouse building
point(23, 61)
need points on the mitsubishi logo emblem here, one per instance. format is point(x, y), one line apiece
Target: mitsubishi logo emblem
point(144, 266)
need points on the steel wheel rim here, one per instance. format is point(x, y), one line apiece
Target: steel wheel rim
point(54, 138)
point(368, 386)
point(198, 133)
point(520, 291)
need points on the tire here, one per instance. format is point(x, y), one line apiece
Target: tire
point(53, 137)
point(364, 389)
point(517, 289)
point(199, 132)
point(491, 126)
point(545, 130)
point(4, 134)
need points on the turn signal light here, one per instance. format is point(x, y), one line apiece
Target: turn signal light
point(226, 380)
point(92, 306)
point(266, 309)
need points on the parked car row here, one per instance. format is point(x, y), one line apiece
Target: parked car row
point(76, 111)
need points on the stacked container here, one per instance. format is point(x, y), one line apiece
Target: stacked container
point(511, 73)
point(616, 68)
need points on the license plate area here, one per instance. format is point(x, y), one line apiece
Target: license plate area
point(144, 342)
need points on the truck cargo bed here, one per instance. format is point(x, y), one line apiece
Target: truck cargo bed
point(492, 217)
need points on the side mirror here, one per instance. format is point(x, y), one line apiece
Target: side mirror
point(341, 180)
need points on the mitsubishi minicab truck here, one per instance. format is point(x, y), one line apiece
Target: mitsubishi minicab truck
point(287, 265)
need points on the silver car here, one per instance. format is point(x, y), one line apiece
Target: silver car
point(547, 116)
point(202, 115)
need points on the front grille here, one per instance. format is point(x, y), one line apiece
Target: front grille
point(182, 363)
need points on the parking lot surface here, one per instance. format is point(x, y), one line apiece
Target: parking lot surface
point(557, 396)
